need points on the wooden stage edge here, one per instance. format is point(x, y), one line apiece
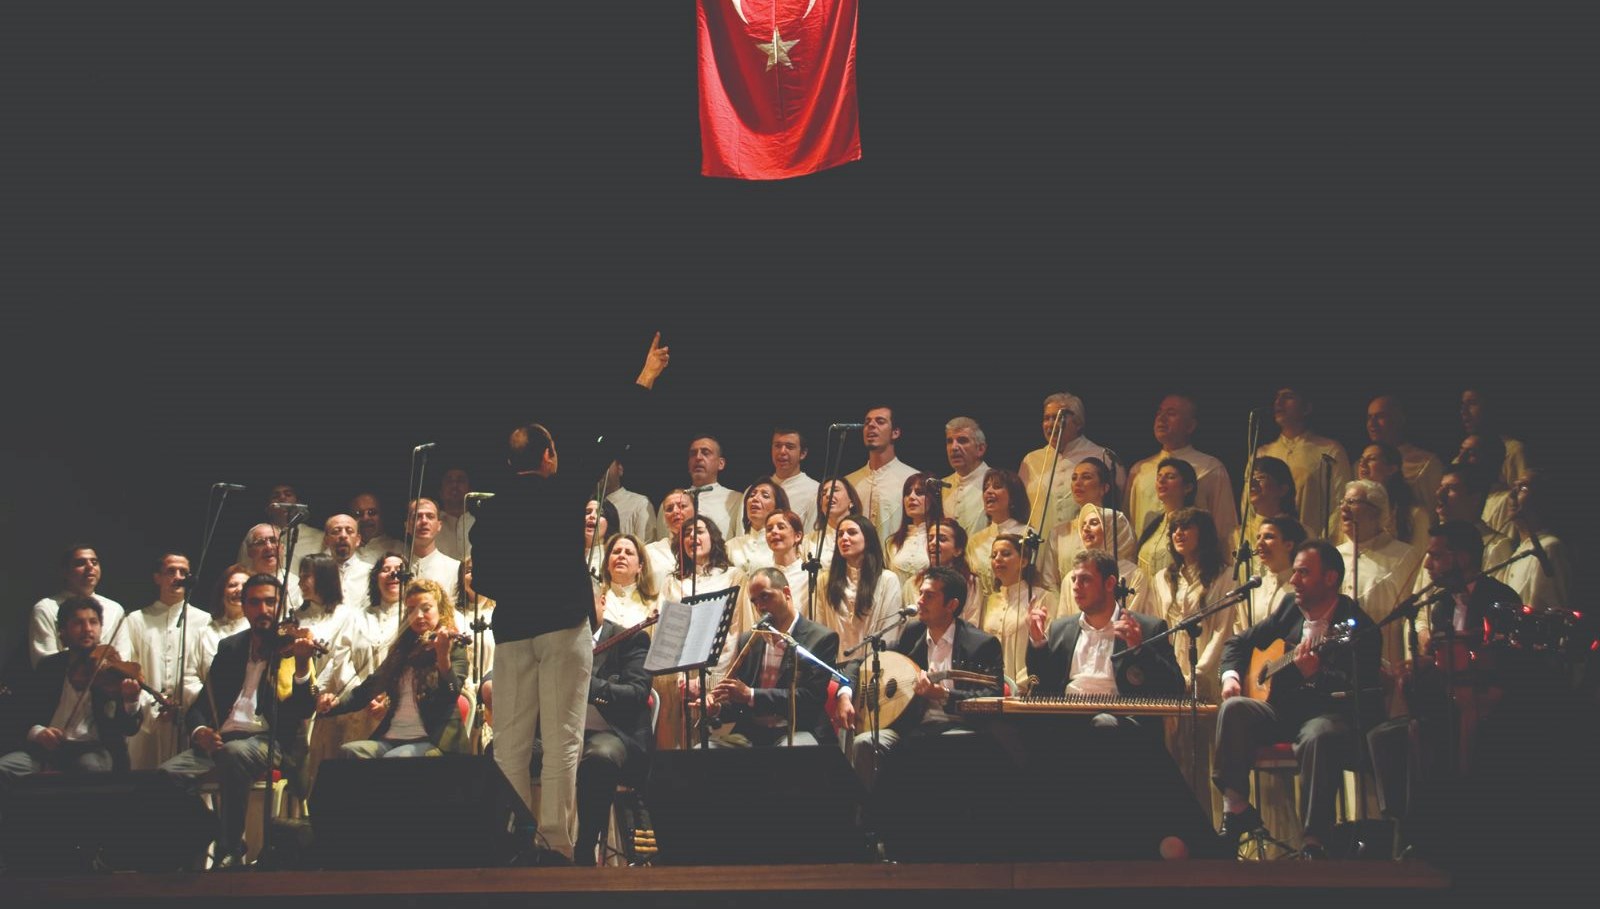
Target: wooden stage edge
point(1349, 877)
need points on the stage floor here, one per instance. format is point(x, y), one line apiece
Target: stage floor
point(1351, 883)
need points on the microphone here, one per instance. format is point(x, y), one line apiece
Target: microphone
point(1241, 591)
point(423, 447)
point(699, 489)
point(295, 510)
point(231, 487)
point(475, 500)
point(181, 583)
point(1111, 456)
point(766, 622)
point(907, 611)
point(838, 426)
point(1541, 555)
point(935, 483)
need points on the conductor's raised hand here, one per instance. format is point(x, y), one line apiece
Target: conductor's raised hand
point(654, 362)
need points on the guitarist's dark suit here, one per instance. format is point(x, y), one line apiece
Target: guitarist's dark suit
point(811, 686)
point(1314, 713)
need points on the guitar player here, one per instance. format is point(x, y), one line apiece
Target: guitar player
point(1309, 704)
point(938, 641)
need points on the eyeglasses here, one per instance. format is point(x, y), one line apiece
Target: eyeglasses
point(367, 512)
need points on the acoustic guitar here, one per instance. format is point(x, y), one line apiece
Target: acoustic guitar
point(1272, 659)
point(900, 678)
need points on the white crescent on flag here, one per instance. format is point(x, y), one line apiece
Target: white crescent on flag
point(738, 7)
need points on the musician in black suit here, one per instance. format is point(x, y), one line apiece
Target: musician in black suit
point(1074, 655)
point(1311, 699)
point(756, 696)
point(937, 641)
point(1462, 603)
point(229, 718)
point(66, 727)
point(617, 737)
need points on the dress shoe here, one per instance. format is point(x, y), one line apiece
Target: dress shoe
point(1236, 826)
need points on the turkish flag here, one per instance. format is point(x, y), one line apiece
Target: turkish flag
point(777, 87)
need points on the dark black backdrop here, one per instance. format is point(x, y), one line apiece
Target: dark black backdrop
point(293, 242)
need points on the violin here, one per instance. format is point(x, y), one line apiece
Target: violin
point(104, 669)
point(290, 631)
point(422, 653)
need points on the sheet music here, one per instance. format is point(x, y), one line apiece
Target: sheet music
point(687, 632)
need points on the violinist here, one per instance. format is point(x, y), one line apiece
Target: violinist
point(79, 720)
point(233, 716)
point(416, 690)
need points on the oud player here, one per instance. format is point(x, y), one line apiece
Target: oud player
point(938, 641)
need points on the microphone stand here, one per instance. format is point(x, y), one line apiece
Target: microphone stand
point(1327, 492)
point(1190, 626)
point(688, 531)
point(265, 858)
point(813, 562)
point(208, 530)
point(1246, 551)
point(869, 695)
point(796, 649)
point(413, 493)
point(1121, 591)
point(1036, 534)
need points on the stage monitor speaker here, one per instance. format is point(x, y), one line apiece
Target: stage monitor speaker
point(68, 823)
point(452, 811)
point(738, 806)
point(991, 798)
point(949, 798)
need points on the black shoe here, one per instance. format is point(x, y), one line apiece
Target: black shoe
point(1313, 852)
point(1236, 826)
point(233, 861)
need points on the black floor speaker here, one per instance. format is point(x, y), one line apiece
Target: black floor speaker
point(60, 823)
point(737, 806)
point(1034, 795)
point(453, 811)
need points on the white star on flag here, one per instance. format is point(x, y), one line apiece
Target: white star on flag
point(778, 51)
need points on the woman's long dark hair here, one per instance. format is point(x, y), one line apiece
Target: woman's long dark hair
point(871, 569)
point(1210, 556)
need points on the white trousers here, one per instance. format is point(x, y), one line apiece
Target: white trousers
point(543, 683)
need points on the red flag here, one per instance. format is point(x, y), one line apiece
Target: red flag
point(777, 87)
